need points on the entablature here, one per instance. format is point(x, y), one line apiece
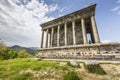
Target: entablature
point(83, 13)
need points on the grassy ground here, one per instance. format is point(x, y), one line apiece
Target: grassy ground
point(22, 69)
point(35, 69)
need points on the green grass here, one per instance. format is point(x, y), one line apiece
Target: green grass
point(71, 76)
point(97, 69)
point(38, 69)
point(23, 76)
point(11, 69)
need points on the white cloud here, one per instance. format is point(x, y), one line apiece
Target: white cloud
point(118, 1)
point(106, 41)
point(19, 23)
point(53, 7)
point(61, 9)
point(117, 8)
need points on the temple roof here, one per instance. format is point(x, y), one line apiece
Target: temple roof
point(88, 10)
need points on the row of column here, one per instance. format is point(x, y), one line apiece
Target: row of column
point(94, 29)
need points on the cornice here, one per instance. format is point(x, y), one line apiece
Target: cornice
point(85, 12)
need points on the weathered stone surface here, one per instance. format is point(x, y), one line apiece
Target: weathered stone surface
point(62, 36)
point(91, 62)
point(97, 51)
point(69, 34)
point(73, 62)
point(55, 37)
point(79, 36)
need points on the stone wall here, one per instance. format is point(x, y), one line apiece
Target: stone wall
point(62, 36)
point(55, 37)
point(106, 51)
point(69, 34)
point(79, 35)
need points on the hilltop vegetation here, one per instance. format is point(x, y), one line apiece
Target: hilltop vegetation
point(7, 53)
point(30, 50)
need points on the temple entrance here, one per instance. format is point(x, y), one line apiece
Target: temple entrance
point(89, 38)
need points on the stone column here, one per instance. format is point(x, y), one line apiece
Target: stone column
point(46, 38)
point(65, 30)
point(84, 31)
point(52, 32)
point(94, 29)
point(50, 39)
point(58, 36)
point(73, 30)
point(42, 38)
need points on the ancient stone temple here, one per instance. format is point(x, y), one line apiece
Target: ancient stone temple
point(75, 36)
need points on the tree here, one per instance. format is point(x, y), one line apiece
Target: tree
point(6, 53)
point(36, 53)
point(23, 54)
point(11, 54)
point(3, 50)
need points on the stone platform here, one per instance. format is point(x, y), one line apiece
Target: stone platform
point(88, 51)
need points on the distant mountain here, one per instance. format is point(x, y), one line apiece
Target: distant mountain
point(30, 50)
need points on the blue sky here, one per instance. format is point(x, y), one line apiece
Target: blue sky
point(20, 19)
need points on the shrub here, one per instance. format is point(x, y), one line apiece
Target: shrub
point(68, 63)
point(96, 69)
point(6, 53)
point(71, 76)
point(23, 54)
point(39, 59)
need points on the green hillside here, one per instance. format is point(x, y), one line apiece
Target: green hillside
point(32, 69)
point(37, 69)
point(30, 50)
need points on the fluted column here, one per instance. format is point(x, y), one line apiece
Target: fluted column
point(42, 38)
point(65, 30)
point(52, 32)
point(94, 29)
point(46, 38)
point(84, 31)
point(58, 36)
point(73, 30)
